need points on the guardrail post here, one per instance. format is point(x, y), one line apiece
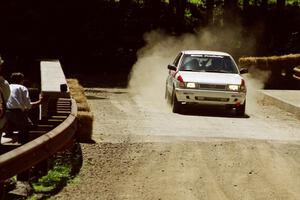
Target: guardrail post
point(24, 176)
point(40, 169)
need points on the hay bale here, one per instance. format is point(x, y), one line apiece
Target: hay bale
point(84, 116)
point(281, 68)
point(83, 106)
point(77, 92)
point(271, 62)
point(84, 126)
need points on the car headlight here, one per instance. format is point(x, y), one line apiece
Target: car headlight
point(233, 87)
point(190, 85)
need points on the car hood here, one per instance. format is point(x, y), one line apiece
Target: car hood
point(210, 77)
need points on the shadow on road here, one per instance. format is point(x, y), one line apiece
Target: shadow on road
point(210, 111)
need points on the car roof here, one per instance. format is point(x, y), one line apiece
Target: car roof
point(218, 53)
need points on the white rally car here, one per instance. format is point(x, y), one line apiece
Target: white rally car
point(206, 77)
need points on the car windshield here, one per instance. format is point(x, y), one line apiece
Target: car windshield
point(208, 63)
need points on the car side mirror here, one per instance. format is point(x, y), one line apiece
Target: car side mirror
point(243, 70)
point(172, 67)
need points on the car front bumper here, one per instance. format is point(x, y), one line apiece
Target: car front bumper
point(211, 97)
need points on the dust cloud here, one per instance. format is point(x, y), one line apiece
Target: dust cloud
point(148, 75)
point(255, 80)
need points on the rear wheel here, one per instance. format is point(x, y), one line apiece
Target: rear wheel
point(175, 103)
point(240, 110)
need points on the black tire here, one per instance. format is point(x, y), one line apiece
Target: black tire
point(175, 103)
point(240, 110)
point(168, 96)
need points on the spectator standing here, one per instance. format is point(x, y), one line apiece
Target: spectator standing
point(4, 95)
point(17, 106)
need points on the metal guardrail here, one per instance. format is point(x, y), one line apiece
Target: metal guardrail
point(39, 149)
point(296, 74)
point(54, 130)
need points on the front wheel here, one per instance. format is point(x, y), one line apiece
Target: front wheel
point(167, 93)
point(240, 110)
point(175, 103)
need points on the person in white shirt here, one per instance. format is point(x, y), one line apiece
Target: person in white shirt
point(17, 106)
point(4, 94)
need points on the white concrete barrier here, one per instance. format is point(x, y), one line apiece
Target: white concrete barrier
point(53, 83)
point(288, 100)
point(53, 80)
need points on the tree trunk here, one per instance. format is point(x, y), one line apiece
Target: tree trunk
point(245, 4)
point(210, 11)
point(264, 4)
point(280, 4)
point(180, 6)
point(230, 11)
point(125, 3)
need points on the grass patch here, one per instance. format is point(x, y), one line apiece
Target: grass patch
point(64, 166)
point(53, 180)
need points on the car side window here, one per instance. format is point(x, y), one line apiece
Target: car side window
point(176, 61)
point(186, 59)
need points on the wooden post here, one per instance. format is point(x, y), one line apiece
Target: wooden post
point(40, 169)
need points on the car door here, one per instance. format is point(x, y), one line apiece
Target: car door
point(171, 74)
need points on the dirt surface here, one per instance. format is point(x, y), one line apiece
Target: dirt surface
point(143, 151)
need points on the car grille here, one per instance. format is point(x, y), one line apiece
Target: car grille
point(211, 99)
point(211, 87)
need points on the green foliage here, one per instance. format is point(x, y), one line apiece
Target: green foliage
point(65, 166)
point(198, 2)
point(251, 2)
point(55, 177)
point(288, 2)
point(187, 13)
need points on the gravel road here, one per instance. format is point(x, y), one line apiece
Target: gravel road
point(143, 151)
